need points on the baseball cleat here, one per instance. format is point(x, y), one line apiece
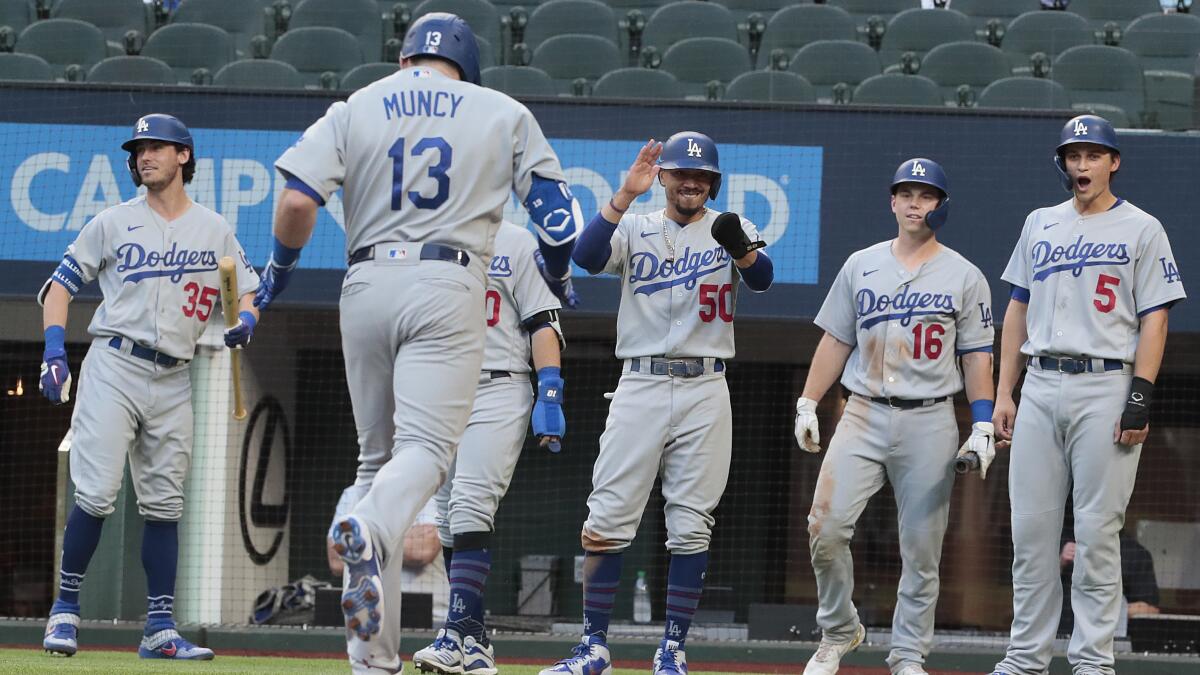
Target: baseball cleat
point(478, 658)
point(168, 644)
point(670, 659)
point(911, 669)
point(829, 654)
point(362, 599)
point(62, 633)
point(590, 657)
point(444, 656)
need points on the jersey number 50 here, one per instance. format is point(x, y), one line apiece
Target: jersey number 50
point(716, 300)
point(437, 172)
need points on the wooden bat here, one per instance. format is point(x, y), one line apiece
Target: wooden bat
point(229, 307)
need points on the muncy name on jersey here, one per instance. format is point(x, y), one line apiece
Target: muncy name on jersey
point(685, 269)
point(1050, 259)
point(876, 308)
point(174, 262)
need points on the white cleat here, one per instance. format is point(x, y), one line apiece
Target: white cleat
point(478, 658)
point(829, 654)
point(911, 669)
point(590, 657)
point(444, 656)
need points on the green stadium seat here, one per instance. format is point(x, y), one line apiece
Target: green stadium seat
point(688, 19)
point(697, 61)
point(361, 76)
point(24, 67)
point(1121, 12)
point(187, 47)
point(742, 9)
point(638, 83)
point(114, 18)
point(566, 58)
point(357, 17)
point(982, 11)
point(1049, 32)
point(1114, 114)
point(646, 6)
point(861, 10)
point(487, 53)
point(770, 85)
point(1165, 42)
point(243, 20)
point(259, 74)
point(1027, 93)
point(898, 89)
point(480, 15)
point(798, 25)
point(975, 64)
point(1170, 98)
point(565, 17)
point(919, 30)
point(317, 50)
point(519, 81)
point(131, 70)
point(64, 42)
point(17, 14)
point(1098, 74)
point(828, 63)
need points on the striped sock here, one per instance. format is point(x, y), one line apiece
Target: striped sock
point(470, 565)
point(601, 576)
point(160, 557)
point(80, 539)
point(685, 582)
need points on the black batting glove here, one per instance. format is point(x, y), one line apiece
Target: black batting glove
point(1137, 407)
point(727, 230)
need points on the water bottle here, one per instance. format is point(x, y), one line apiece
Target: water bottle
point(641, 599)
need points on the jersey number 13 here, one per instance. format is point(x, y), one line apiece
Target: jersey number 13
point(445, 154)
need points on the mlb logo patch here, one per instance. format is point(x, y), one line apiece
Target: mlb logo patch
point(397, 253)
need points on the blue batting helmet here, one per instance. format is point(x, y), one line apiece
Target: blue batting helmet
point(692, 150)
point(445, 36)
point(160, 127)
point(1083, 129)
point(926, 172)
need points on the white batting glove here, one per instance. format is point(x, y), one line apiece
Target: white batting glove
point(982, 442)
point(808, 435)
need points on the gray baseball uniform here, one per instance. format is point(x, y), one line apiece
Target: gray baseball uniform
point(906, 329)
point(1088, 280)
point(426, 164)
point(160, 285)
point(678, 293)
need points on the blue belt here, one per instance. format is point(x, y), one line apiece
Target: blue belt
point(428, 252)
point(1073, 366)
point(147, 353)
point(682, 367)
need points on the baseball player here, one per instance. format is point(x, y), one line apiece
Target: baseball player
point(670, 415)
point(426, 160)
point(522, 321)
point(898, 319)
point(155, 257)
point(1092, 281)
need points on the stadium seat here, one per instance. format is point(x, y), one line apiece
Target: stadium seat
point(189, 46)
point(357, 17)
point(1098, 74)
point(982, 11)
point(861, 10)
point(563, 17)
point(638, 83)
point(1049, 32)
point(259, 74)
point(770, 85)
point(798, 25)
point(241, 19)
point(131, 70)
point(1033, 93)
point(566, 58)
point(1169, 98)
point(519, 81)
point(646, 6)
point(827, 63)
point(688, 19)
point(487, 53)
point(64, 42)
point(114, 18)
point(16, 14)
point(897, 89)
point(1165, 42)
point(919, 30)
point(24, 67)
point(316, 50)
point(361, 76)
point(1100, 12)
point(480, 15)
point(697, 61)
point(975, 64)
point(1114, 114)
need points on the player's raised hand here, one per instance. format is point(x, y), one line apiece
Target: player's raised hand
point(644, 169)
point(1004, 415)
point(808, 433)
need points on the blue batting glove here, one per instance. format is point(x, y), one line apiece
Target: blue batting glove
point(276, 274)
point(549, 424)
point(55, 380)
point(238, 335)
point(562, 288)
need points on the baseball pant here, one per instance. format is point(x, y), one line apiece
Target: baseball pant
point(914, 449)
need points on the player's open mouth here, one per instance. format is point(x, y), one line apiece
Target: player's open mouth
point(1083, 182)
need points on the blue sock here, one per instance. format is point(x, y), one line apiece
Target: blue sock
point(80, 539)
point(470, 565)
point(685, 582)
point(601, 576)
point(160, 555)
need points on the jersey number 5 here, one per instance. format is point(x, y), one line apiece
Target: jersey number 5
point(491, 305)
point(199, 300)
point(927, 340)
point(1104, 288)
point(437, 172)
point(716, 300)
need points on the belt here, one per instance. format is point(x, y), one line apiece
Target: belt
point(907, 403)
point(428, 252)
point(497, 374)
point(1072, 366)
point(681, 367)
point(147, 353)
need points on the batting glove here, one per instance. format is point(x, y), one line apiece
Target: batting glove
point(982, 444)
point(238, 335)
point(55, 382)
point(562, 288)
point(808, 434)
point(275, 278)
point(548, 420)
point(727, 230)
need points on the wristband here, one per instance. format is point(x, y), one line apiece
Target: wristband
point(612, 205)
point(248, 318)
point(284, 256)
point(981, 410)
point(1140, 391)
point(56, 337)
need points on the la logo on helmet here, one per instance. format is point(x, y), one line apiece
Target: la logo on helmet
point(1081, 129)
point(143, 126)
point(694, 149)
point(917, 169)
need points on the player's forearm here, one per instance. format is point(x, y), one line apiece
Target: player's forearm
point(545, 349)
point(1015, 333)
point(622, 199)
point(594, 247)
point(295, 218)
point(55, 306)
point(827, 363)
point(1152, 340)
point(246, 304)
point(977, 376)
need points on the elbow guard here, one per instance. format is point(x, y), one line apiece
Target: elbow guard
point(546, 319)
point(555, 211)
point(68, 275)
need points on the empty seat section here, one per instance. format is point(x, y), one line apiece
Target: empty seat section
point(1098, 74)
point(638, 83)
point(24, 67)
point(131, 70)
point(898, 89)
point(259, 74)
point(770, 85)
point(688, 19)
point(567, 58)
point(565, 17)
point(361, 76)
point(974, 64)
point(357, 17)
point(919, 30)
point(314, 51)
point(114, 18)
point(1034, 93)
point(64, 42)
point(695, 62)
point(1051, 33)
point(187, 47)
point(828, 63)
point(518, 81)
point(799, 25)
point(1165, 42)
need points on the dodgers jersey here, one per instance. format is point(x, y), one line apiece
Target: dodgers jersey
point(907, 327)
point(678, 305)
point(422, 157)
point(1090, 279)
point(515, 293)
point(159, 279)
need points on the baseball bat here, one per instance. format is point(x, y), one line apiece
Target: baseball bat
point(967, 463)
point(229, 307)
